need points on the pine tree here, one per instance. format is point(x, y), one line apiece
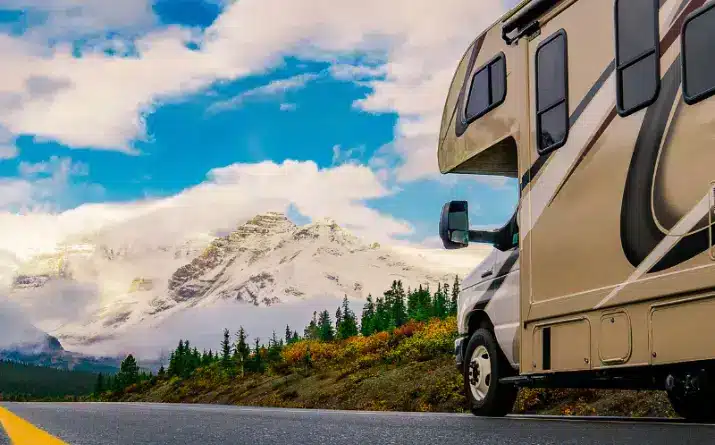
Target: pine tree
point(312, 332)
point(289, 335)
point(99, 386)
point(275, 346)
point(367, 320)
point(128, 372)
point(242, 350)
point(257, 362)
point(226, 350)
point(399, 311)
point(338, 319)
point(413, 305)
point(325, 327)
point(295, 336)
point(388, 322)
point(348, 326)
point(162, 373)
point(439, 308)
point(381, 316)
point(454, 297)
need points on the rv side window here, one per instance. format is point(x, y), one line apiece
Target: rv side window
point(488, 88)
point(637, 55)
point(698, 48)
point(552, 110)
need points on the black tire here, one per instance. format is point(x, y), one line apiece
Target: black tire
point(500, 398)
point(699, 407)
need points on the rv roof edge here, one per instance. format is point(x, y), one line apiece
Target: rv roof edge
point(518, 7)
point(528, 13)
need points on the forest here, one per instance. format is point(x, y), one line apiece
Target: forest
point(396, 308)
point(20, 382)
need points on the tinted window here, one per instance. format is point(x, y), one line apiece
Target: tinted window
point(552, 72)
point(638, 83)
point(552, 119)
point(479, 94)
point(637, 68)
point(698, 42)
point(488, 89)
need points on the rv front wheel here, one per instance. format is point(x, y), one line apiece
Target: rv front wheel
point(484, 366)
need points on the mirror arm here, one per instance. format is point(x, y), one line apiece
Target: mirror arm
point(483, 236)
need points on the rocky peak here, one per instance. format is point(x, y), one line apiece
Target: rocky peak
point(264, 224)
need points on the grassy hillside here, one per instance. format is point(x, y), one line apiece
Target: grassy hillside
point(24, 382)
point(409, 368)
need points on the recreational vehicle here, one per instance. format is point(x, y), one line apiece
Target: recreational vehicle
point(603, 110)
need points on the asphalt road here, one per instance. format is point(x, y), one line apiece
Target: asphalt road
point(139, 424)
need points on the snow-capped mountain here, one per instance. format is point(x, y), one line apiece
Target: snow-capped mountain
point(266, 261)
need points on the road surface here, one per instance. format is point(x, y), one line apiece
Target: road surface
point(140, 424)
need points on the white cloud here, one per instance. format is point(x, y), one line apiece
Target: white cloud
point(288, 107)
point(276, 88)
point(346, 155)
point(67, 19)
point(229, 196)
point(8, 150)
point(46, 186)
point(101, 102)
point(356, 73)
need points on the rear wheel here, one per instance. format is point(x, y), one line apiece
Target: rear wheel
point(484, 366)
point(696, 405)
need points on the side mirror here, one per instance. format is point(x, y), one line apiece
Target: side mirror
point(454, 225)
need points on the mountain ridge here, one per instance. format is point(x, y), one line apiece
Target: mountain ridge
point(265, 261)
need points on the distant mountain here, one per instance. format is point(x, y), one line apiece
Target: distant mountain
point(265, 261)
point(49, 353)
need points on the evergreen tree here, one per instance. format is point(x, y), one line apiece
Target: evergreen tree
point(162, 373)
point(325, 327)
point(348, 325)
point(289, 335)
point(399, 311)
point(295, 336)
point(413, 305)
point(195, 361)
point(388, 322)
point(241, 349)
point(312, 331)
point(447, 299)
point(367, 320)
point(226, 350)
point(338, 319)
point(455, 295)
point(439, 308)
point(382, 316)
point(128, 372)
point(99, 386)
point(257, 364)
point(275, 346)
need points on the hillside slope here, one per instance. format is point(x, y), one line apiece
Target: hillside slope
point(409, 369)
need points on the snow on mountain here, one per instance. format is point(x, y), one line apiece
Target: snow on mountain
point(110, 284)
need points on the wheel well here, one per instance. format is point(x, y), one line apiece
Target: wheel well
point(478, 319)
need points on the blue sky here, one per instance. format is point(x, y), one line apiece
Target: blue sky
point(147, 102)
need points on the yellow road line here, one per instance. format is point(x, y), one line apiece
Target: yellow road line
point(22, 432)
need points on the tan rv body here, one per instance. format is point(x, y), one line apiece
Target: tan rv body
point(610, 294)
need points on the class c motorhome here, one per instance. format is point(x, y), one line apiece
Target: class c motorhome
point(605, 275)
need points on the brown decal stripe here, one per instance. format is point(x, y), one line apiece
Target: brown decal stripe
point(591, 143)
point(588, 98)
point(677, 25)
point(684, 9)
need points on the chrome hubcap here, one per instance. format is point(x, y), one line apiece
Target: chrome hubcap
point(480, 373)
